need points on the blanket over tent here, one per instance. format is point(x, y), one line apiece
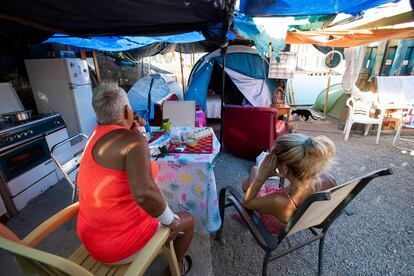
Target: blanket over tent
point(246, 69)
point(160, 88)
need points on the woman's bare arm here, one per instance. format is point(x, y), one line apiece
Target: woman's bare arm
point(138, 169)
point(267, 169)
point(274, 204)
point(252, 191)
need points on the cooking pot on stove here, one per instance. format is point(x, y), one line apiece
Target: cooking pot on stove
point(17, 116)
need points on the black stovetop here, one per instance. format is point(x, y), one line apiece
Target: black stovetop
point(7, 126)
point(15, 133)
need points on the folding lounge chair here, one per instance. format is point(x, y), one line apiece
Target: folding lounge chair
point(316, 214)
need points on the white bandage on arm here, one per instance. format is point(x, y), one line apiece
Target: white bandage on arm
point(167, 216)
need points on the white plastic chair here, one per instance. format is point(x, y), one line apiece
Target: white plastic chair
point(67, 155)
point(407, 121)
point(359, 112)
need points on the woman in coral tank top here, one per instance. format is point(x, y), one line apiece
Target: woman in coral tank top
point(121, 206)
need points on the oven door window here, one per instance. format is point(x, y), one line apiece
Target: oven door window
point(23, 158)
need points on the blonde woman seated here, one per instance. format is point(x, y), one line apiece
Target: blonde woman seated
point(298, 158)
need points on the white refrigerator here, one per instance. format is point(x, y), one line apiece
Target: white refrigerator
point(63, 86)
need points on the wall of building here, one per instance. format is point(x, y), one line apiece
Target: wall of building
point(396, 58)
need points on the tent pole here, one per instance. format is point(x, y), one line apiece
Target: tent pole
point(182, 72)
point(327, 93)
point(329, 84)
point(227, 21)
point(223, 52)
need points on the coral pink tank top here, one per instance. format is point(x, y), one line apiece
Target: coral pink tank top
point(111, 225)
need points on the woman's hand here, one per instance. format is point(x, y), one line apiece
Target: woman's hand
point(268, 168)
point(175, 229)
point(138, 124)
point(140, 121)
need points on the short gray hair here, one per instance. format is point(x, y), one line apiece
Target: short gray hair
point(109, 101)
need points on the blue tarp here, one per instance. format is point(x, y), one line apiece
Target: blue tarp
point(122, 43)
point(248, 29)
point(307, 7)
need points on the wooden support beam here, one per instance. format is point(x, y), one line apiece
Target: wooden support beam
point(5, 195)
point(83, 54)
point(95, 63)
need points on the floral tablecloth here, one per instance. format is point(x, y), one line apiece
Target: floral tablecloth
point(188, 184)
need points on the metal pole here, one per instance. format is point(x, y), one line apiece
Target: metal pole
point(182, 72)
point(223, 52)
point(227, 21)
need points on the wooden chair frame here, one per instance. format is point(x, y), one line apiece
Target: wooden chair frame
point(33, 261)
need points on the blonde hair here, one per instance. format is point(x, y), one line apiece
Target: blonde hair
point(304, 156)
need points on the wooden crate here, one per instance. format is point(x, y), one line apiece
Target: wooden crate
point(391, 123)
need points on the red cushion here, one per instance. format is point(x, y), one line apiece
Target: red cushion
point(249, 130)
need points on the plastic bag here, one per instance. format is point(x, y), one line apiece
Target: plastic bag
point(175, 136)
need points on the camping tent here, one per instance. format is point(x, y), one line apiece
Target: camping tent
point(246, 78)
point(162, 86)
point(336, 101)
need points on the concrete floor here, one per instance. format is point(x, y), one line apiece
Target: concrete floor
point(64, 241)
point(376, 239)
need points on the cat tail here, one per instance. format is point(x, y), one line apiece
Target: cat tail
point(313, 117)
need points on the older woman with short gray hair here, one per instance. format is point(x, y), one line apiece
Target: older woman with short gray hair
point(109, 102)
point(121, 206)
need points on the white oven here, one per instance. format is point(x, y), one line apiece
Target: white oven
point(41, 177)
point(20, 159)
point(26, 167)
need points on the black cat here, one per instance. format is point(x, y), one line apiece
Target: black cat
point(304, 113)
